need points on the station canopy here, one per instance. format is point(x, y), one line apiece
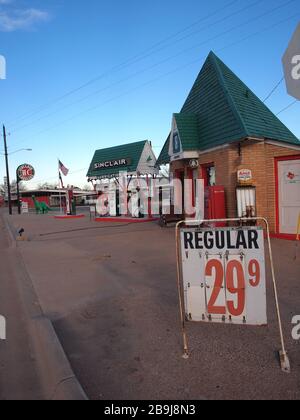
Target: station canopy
point(134, 158)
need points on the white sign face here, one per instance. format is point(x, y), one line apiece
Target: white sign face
point(244, 176)
point(224, 275)
point(25, 172)
point(24, 208)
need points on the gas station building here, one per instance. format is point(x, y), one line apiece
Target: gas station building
point(249, 160)
point(136, 160)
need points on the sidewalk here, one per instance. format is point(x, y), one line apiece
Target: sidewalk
point(32, 363)
point(19, 377)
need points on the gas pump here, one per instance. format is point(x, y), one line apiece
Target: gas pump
point(71, 203)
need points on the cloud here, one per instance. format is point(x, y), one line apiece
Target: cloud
point(12, 19)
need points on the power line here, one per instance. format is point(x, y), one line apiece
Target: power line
point(191, 63)
point(141, 57)
point(41, 181)
point(162, 76)
point(126, 63)
point(288, 107)
point(274, 89)
point(159, 63)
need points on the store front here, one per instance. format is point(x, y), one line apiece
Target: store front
point(120, 176)
point(248, 159)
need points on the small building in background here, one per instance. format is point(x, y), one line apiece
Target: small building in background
point(56, 197)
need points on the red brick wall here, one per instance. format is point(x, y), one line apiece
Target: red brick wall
point(260, 158)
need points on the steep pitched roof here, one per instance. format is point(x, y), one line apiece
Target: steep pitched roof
point(164, 157)
point(227, 111)
point(133, 151)
point(257, 118)
point(188, 128)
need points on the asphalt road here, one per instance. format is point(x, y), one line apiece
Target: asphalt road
point(19, 377)
point(111, 294)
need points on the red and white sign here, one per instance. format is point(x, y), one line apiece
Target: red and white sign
point(25, 172)
point(245, 176)
point(224, 275)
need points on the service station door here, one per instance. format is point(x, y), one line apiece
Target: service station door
point(224, 275)
point(289, 195)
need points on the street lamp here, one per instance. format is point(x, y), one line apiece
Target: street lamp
point(16, 151)
point(6, 154)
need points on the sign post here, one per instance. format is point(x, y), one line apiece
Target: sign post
point(25, 172)
point(222, 276)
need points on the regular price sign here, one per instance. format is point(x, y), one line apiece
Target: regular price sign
point(224, 276)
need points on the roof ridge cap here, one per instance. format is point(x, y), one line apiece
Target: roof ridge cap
point(228, 95)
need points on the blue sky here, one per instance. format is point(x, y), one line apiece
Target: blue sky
point(87, 75)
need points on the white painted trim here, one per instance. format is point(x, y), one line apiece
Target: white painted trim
point(281, 144)
point(196, 155)
point(214, 149)
point(185, 155)
point(143, 166)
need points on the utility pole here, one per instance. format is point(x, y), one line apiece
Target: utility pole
point(7, 172)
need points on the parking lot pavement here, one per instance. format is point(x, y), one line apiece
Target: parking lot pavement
point(111, 293)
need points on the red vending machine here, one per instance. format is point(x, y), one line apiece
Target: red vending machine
point(215, 204)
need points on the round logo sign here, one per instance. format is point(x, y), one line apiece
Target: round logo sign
point(25, 172)
point(194, 164)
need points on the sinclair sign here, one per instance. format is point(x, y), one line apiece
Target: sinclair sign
point(117, 163)
point(25, 172)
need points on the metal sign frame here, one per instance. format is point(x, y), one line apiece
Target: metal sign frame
point(284, 359)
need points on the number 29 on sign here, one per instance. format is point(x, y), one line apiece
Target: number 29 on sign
point(226, 282)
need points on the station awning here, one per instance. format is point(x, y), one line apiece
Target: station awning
point(134, 158)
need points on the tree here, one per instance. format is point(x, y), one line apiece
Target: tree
point(13, 186)
point(88, 187)
point(47, 186)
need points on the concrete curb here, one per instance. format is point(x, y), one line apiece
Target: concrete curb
point(57, 379)
point(9, 231)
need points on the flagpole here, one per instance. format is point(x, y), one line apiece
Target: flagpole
point(61, 170)
point(59, 186)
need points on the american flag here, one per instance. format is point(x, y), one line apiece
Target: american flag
point(62, 168)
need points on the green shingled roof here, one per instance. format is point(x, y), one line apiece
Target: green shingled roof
point(164, 157)
point(188, 128)
point(221, 109)
point(132, 151)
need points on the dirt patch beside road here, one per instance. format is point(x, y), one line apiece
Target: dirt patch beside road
point(111, 292)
